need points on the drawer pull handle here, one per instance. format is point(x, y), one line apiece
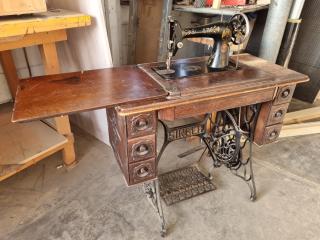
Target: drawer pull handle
point(142, 150)
point(278, 114)
point(141, 124)
point(143, 172)
point(273, 135)
point(285, 93)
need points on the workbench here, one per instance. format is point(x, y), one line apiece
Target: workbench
point(136, 97)
point(45, 30)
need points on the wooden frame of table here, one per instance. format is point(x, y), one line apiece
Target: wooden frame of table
point(44, 30)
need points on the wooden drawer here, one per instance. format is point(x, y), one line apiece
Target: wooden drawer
point(284, 94)
point(141, 124)
point(277, 114)
point(142, 148)
point(142, 171)
point(268, 134)
point(214, 105)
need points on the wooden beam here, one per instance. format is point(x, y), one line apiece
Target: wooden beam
point(9, 70)
point(33, 39)
point(50, 58)
point(18, 7)
point(302, 115)
point(52, 66)
point(132, 31)
point(300, 129)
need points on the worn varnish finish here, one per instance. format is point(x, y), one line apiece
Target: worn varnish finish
point(135, 153)
point(48, 96)
point(135, 101)
point(271, 116)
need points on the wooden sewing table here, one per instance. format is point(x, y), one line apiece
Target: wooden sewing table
point(135, 98)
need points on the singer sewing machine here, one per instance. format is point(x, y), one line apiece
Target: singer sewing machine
point(249, 94)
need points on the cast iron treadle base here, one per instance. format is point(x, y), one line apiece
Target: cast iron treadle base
point(182, 184)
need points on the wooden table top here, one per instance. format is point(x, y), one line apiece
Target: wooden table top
point(56, 95)
point(54, 19)
point(136, 90)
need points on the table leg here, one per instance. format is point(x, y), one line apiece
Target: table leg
point(9, 70)
point(51, 65)
point(152, 191)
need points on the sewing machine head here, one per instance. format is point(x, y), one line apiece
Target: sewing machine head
point(223, 33)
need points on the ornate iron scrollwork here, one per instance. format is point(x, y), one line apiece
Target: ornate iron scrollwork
point(231, 132)
point(152, 190)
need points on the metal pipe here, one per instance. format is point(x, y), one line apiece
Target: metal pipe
point(291, 33)
point(163, 41)
point(275, 26)
point(296, 9)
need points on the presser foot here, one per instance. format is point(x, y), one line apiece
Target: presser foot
point(152, 191)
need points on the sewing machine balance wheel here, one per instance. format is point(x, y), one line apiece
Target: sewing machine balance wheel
point(240, 28)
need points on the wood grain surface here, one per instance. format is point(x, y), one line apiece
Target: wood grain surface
point(55, 95)
point(54, 19)
point(44, 97)
point(253, 73)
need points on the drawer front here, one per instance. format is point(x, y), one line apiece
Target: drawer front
point(284, 94)
point(141, 148)
point(142, 171)
point(271, 133)
point(141, 124)
point(277, 114)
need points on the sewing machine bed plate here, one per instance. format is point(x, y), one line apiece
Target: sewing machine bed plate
point(192, 76)
point(188, 69)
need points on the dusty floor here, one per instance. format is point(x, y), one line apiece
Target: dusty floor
point(93, 202)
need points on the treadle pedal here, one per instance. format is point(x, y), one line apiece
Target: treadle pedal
point(182, 184)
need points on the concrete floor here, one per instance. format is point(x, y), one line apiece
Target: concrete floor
point(92, 201)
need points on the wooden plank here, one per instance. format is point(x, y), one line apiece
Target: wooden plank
point(9, 70)
point(132, 31)
point(21, 143)
point(147, 37)
point(300, 129)
point(7, 171)
point(50, 21)
point(302, 115)
point(18, 7)
point(32, 39)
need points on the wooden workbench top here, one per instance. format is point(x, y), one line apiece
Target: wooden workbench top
point(49, 96)
point(55, 19)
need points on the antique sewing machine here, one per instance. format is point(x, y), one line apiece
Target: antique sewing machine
point(234, 31)
point(249, 95)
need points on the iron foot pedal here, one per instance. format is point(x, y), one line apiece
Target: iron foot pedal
point(182, 184)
